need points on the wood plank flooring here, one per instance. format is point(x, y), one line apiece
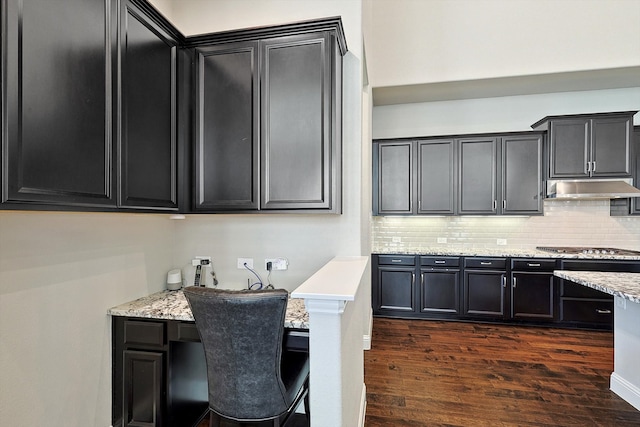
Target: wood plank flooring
point(432, 373)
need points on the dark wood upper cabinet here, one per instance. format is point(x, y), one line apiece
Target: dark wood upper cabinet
point(436, 177)
point(57, 137)
point(393, 176)
point(589, 145)
point(522, 174)
point(227, 121)
point(268, 118)
point(478, 161)
point(147, 112)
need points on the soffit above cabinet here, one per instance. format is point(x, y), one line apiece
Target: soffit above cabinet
point(612, 78)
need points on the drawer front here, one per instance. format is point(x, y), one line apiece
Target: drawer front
point(396, 260)
point(490, 263)
point(187, 332)
point(442, 261)
point(533, 264)
point(575, 290)
point(586, 311)
point(149, 334)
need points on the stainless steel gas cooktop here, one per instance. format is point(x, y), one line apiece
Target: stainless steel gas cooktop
point(587, 250)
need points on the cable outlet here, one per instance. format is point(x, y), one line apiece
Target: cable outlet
point(442, 240)
point(243, 261)
point(276, 263)
point(501, 242)
point(201, 260)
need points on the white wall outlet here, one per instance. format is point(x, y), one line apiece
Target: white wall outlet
point(442, 240)
point(243, 261)
point(501, 242)
point(396, 239)
point(276, 263)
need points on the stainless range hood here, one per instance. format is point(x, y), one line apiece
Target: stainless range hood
point(591, 189)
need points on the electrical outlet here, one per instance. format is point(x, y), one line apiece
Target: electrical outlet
point(442, 240)
point(243, 261)
point(396, 239)
point(501, 242)
point(276, 263)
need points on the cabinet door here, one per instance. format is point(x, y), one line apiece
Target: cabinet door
point(147, 140)
point(57, 133)
point(296, 122)
point(439, 291)
point(395, 290)
point(436, 177)
point(522, 174)
point(569, 148)
point(484, 293)
point(611, 146)
point(393, 178)
point(143, 384)
point(532, 296)
point(635, 203)
point(478, 176)
point(226, 140)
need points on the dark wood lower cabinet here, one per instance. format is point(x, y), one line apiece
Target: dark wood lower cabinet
point(505, 290)
point(143, 385)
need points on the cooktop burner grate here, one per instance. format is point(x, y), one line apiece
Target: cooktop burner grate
point(586, 250)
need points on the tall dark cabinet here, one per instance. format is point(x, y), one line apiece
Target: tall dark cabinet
point(268, 119)
point(90, 95)
point(58, 86)
point(393, 177)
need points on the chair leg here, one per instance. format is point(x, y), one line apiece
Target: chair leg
point(214, 419)
point(307, 410)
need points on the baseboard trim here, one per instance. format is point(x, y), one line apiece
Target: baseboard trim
point(626, 390)
point(366, 339)
point(363, 406)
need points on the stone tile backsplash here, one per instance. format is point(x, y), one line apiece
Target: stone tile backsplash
point(564, 223)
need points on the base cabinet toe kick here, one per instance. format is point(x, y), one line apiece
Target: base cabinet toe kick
point(515, 290)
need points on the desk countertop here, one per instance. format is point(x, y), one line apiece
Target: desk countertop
point(172, 305)
point(623, 285)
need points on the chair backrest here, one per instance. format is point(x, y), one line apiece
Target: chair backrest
point(242, 333)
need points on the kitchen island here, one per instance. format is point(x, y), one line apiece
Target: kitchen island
point(625, 287)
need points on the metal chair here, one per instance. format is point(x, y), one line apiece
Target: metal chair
point(250, 377)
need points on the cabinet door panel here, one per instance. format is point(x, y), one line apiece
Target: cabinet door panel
point(143, 384)
point(58, 88)
point(436, 173)
point(395, 290)
point(610, 146)
point(227, 128)
point(148, 176)
point(295, 123)
point(439, 291)
point(394, 178)
point(478, 176)
point(522, 175)
point(484, 294)
point(532, 296)
point(569, 148)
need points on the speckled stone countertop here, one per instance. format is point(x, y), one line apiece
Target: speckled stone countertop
point(172, 305)
point(494, 252)
point(623, 285)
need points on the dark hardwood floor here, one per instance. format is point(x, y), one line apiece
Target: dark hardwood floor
point(432, 373)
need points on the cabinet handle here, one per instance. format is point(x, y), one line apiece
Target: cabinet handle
point(438, 261)
point(593, 167)
point(504, 204)
point(495, 205)
point(588, 166)
point(396, 260)
point(485, 262)
point(602, 311)
point(413, 279)
point(514, 283)
point(531, 264)
point(504, 281)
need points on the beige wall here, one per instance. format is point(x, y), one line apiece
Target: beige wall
point(59, 273)
point(418, 41)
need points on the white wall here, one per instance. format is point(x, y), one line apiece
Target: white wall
point(59, 273)
point(417, 41)
point(509, 113)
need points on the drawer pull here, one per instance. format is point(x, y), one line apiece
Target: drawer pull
point(514, 283)
point(396, 260)
point(440, 261)
point(485, 262)
point(531, 264)
point(602, 311)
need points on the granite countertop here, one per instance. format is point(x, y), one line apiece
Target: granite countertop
point(623, 285)
point(172, 305)
point(496, 252)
